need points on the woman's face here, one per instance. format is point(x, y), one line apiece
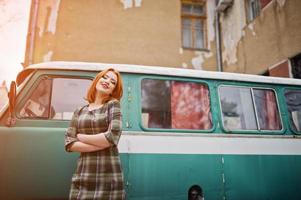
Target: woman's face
point(107, 83)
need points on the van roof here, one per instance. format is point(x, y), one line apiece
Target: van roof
point(142, 69)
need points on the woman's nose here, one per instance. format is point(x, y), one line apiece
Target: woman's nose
point(107, 81)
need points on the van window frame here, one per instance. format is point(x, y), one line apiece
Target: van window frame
point(37, 80)
point(4, 109)
point(28, 95)
point(183, 79)
point(245, 131)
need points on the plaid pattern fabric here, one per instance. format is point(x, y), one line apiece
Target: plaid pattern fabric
point(98, 174)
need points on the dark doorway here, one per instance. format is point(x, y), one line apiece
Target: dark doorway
point(296, 66)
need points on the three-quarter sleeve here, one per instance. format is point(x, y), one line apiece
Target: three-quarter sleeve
point(115, 122)
point(70, 134)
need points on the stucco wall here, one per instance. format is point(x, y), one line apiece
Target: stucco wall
point(144, 32)
point(272, 37)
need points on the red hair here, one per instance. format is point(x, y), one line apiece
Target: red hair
point(117, 92)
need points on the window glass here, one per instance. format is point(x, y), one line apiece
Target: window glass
point(198, 10)
point(193, 20)
point(67, 95)
point(199, 34)
point(253, 9)
point(38, 104)
point(267, 110)
point(237, 108)
point(245, 108)
point(55, 98)
point(293, 102)
point(175, 105)
point(186, 8)
point(186, 32)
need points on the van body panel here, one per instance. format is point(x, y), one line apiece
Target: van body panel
point(159, 162)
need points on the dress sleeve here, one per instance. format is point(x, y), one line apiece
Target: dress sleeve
point(115, 122)
point(70, 134)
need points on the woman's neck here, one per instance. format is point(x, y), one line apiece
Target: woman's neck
point(99, 99)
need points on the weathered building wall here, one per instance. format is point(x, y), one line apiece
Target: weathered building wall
point(144, 32)
point(273, 37)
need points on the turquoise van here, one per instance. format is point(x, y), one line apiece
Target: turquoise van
point(234, 136)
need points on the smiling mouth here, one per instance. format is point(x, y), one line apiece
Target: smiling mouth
point(106, 86)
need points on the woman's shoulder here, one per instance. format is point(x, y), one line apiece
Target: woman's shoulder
point(113, 103)
point(80, 108)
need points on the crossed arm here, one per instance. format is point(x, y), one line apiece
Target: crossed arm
point(90, 143)
point(78, 142)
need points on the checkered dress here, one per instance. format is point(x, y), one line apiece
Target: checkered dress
point(98, 174)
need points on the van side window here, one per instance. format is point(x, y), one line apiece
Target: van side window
point(293, 102)
point(237, 108)
point(245, 108)
point(55, 98)
point(175, 105)
point(267, 109)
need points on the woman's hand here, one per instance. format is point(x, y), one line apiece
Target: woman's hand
point(81, 137)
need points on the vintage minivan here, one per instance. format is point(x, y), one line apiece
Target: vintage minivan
point(235, 136)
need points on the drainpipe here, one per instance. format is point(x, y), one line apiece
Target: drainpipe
point(31, 32)
point(219, 58)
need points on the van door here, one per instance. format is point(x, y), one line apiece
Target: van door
point(34, 164)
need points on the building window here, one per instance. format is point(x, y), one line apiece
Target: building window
point(193, 24)
point(253, 9)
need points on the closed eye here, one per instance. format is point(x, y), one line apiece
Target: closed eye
point(113, 81)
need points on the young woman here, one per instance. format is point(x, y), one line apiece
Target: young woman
point(94, 131)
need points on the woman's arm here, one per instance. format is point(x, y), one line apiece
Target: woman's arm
point(112, 135)
point(98, 140)
point(83, 147)
point(70, 134)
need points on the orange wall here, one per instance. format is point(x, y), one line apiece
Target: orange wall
point(105, 31)
point(274, 36)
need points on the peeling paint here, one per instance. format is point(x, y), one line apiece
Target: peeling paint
point(48, 56)
point(181, 50)
point(127, 3)
point(281, 2)
point(251, 27)
point(197, 62)
point(184, 65)
point(210, 21)
point(53, 17)
point(138, 3)
point(130, 3)
point(232, 24)
point(50, 18)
